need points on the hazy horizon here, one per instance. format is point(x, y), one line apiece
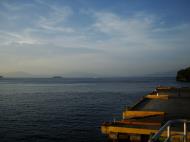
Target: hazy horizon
point(83, 75)
point(105, 38)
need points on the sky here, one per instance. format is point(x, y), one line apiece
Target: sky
point(92, 38)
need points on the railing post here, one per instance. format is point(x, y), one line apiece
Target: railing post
point(168, 126)
point(168, 132)
point(185, 132)
point(157, 94)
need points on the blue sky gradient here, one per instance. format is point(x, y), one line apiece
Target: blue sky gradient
point(94, 38)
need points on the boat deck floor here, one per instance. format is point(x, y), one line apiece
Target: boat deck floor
point(177, 106)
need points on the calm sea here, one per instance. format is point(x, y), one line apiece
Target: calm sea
point(67, 110)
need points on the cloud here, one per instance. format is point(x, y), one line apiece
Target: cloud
point(11, 38)
point(14, 7)
point(115, 25)
point(140, 30)
point(55, 18)
point(143, 42)
point(109, 44)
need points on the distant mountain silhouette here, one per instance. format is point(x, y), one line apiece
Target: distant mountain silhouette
point(18, 74)
point(163, 74)
point(57, 77)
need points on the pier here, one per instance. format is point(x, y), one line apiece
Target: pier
point(163, 114)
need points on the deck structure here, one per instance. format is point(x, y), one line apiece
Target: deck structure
point(150, 113)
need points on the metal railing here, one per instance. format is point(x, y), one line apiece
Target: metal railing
point(155, 137)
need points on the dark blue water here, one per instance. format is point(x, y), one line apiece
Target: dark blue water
point(67, 110)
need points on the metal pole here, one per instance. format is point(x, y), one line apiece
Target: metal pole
point(185, 131)
point(168, 131)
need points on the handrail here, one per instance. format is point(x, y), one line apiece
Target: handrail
point(168, 127)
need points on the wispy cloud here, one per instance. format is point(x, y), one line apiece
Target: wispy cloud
point(11, 38)
point(108, 44)
point(55, 19)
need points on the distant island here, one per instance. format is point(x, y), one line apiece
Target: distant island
point(183, 75)
point(1, 77)
point(57, 77)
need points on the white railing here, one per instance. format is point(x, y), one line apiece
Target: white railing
point(155, 137)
